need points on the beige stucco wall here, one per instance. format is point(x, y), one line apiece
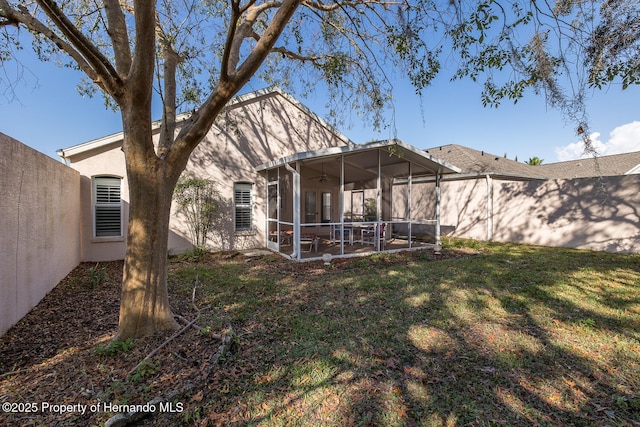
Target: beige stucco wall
point(39, 218)
point(248, 134)
point(464, 206)
point(586, 213)
point(109, 161)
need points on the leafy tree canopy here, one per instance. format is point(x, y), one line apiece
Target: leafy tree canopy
point(560, 49)
point(534, 161)
point(195, 55)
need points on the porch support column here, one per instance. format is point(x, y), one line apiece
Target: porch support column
point(278, 204)
point(341, 212)
point(410, 202)
point(296, 209)
point(378, 205)
point(438, 202)
point(266, 216)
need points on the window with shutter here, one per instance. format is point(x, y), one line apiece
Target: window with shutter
point(242, 202)
point(107, 203)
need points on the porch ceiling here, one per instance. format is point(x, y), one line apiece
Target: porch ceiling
point(361, 162)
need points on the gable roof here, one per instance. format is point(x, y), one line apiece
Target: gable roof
point(617, 164)
point(475, 163)
point(240, 99)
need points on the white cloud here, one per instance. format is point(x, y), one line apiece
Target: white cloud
point(623, 139)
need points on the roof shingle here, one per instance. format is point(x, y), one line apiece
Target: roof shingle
point(474, 162)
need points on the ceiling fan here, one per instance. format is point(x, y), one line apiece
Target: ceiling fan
point(323, 177)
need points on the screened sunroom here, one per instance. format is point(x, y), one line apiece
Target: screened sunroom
point(351, 200)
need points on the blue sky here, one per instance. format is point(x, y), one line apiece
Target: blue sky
point(47, 113)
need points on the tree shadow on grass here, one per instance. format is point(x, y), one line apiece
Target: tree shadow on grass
point(516, 335)
point(458, 342)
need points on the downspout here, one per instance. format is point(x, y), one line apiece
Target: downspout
point(409, 202)
point(438, 204)
point(489, 207)
point(296, 210)
point(278, 213)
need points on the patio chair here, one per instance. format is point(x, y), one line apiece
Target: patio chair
point(339, 234)
point(311, 239)
point(370, 235)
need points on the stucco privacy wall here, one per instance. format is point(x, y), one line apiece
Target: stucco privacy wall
point(586, 213)
point(39, 217)
point(253, 130)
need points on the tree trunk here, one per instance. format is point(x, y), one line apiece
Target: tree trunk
point(144, 307)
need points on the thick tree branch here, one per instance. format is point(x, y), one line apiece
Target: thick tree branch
point(167, 130)
point(231, 34)
point(244, 31)
point(117, 30)
point(140, 78)
point(107, 75)
point(192, 133)
point(266, 42)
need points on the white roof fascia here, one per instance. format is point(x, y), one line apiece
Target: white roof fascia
point(87, 146)
point(332, 151)
point(106, 140)
point(109, 139)
point(419, 152)
point(633, 170)
point(477, 175)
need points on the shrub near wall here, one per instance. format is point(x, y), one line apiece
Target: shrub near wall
point(39, 222)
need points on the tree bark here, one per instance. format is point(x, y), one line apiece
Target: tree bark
point(144, 307)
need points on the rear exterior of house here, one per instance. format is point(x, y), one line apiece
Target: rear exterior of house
point(572, 204)
point(254, 129)
point(587, 204)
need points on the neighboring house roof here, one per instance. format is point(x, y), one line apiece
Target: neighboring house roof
point(474, 163)
point(617, 164)
point(248, 97)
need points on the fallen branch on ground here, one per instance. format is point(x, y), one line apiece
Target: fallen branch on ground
point(177, 334)
point(164, 344)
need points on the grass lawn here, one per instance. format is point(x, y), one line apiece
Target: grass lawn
point(502, 335)
point(514, 335)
